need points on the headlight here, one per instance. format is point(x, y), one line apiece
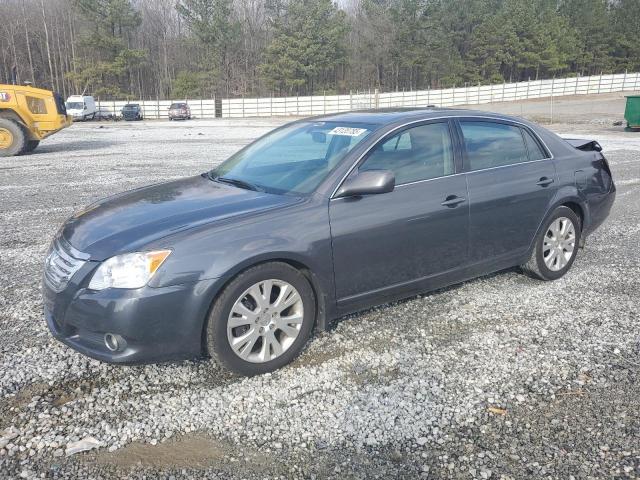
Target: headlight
point(131, 270)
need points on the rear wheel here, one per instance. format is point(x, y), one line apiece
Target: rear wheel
point(556, 246)
point(12, 138)
point(262, 320)
point(31, 145)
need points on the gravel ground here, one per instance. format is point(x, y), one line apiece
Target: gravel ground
point(500, 377)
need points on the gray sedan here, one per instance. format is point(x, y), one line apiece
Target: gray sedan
point(317, 219)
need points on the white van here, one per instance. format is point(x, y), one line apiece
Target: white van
point(81, 107)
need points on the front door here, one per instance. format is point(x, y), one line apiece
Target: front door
point(389, 241)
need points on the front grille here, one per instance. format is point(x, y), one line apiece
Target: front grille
point(60, 266)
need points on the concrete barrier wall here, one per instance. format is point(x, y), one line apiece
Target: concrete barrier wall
point(449, 97)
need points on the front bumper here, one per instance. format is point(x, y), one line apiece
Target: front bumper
point(156, 324)
point(47, 128)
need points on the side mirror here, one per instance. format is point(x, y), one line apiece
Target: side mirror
point(369, 182)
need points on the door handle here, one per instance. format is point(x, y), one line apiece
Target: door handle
point(544, 181)
point(452, 201)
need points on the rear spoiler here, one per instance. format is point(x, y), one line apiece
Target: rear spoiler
point(585, 145)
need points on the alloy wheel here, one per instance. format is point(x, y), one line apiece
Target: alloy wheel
point(265, 321)
point(559, 244)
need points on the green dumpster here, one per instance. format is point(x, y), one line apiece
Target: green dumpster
point(632, 112)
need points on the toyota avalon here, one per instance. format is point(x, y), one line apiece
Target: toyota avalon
point(317, 219)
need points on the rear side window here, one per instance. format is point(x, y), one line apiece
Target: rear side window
point(534, 148)
point(490, 144)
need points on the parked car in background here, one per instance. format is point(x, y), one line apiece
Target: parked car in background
point(81, 107)
point(105, 114)
point(318, 219)
point(132, 111)
point(179, 111)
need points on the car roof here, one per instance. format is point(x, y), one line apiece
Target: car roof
point(386, 116)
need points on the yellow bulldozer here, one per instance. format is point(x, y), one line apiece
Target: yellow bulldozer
point(27, 115)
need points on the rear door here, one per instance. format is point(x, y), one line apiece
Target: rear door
point(511, 182)
point(387, 242)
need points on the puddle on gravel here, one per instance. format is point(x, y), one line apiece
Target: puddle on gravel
point(188, 451)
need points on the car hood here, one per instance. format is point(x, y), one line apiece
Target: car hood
point(129, 221)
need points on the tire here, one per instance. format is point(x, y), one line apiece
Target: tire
point(261, 323)
point(31, 146)
point(553, 254)
point(13, 138)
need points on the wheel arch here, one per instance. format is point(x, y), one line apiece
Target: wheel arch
point(569, 199)
point(324, 309)
point(577, 209)
point(10, 114)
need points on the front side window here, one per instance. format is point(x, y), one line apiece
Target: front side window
point(294, 159)
point(491, 144)
point(418, 153)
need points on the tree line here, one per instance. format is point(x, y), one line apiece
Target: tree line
point(151, 49)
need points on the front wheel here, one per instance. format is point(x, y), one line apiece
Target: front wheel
point(13, 139)
point(556, 246)
point(262, 319)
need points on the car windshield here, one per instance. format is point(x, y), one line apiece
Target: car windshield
point(294, 159)
point(175, 106)
point(75, 105)
point(130, 107)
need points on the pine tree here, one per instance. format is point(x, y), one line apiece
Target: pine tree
point(108, 66)
point(216, 30)
point(308, 43)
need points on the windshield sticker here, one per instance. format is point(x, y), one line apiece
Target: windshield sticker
point(347, 131)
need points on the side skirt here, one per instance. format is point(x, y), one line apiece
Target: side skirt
point(393, 293)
